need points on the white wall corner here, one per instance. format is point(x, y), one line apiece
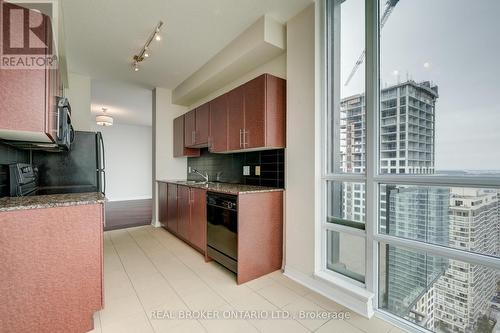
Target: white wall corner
point(350, 296)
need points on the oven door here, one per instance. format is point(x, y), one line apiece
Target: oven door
point(222, 229)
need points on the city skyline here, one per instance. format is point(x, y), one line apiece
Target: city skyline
point(464, 65)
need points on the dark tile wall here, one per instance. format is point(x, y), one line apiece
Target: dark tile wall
point(271, 162)
point(9, 155)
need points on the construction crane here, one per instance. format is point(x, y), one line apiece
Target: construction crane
point(389, 7)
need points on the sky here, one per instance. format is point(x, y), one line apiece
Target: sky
point(452, 43)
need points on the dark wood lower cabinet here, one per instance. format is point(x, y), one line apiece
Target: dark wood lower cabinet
point(183, 211)
point(198, 225)
point(172, 208)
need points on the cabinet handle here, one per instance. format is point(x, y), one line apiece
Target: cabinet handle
point(193, 135)
point(241, 140)
point(245, 142)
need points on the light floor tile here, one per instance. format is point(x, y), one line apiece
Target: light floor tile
point(278, 325)
point(278, 295)
point(338, 326)
point(307, 313)
point(148, 271)
point(137, 323)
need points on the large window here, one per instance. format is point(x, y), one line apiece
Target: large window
point(411, 172)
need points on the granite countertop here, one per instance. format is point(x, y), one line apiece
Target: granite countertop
point(227, 188)
point(48, 201)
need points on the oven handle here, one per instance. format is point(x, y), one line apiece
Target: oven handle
point(222, 207)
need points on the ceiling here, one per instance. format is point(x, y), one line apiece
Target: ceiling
point(128, 103)
point(102, 36)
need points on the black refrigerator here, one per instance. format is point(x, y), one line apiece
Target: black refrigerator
point(82, 169)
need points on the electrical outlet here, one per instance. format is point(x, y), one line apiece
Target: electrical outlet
point(246, 170)
point(257, 170)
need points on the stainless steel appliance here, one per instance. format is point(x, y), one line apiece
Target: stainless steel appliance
point(64, 132)
point(77, 171)
point(222, 229)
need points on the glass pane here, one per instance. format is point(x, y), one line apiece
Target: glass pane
point(346, 204)
point(347, 86)
point(439, 294)
point(346, 254)
point(462, 218)
point(439, 110)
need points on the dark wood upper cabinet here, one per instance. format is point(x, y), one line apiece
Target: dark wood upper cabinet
point(171, 208)
point(28, 97)
point(217, 141)
point(202, 125)
point(190, 128)
point(198, 225)
point(236, 118)
point(183, 211)
point(256, 114)
point(179, 147)
point(249, 117)
point(254, 132)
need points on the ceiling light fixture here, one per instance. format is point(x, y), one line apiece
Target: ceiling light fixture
point(104, 120)
point(144, 52)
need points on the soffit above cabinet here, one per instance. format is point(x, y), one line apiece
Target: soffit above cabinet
point(260, 43)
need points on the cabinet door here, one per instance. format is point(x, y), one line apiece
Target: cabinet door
point(24, 93)
point(162, 203)
point(179, 148)
point(172, 207)
point(190, 128)
point(236, 118)
point(255, 113)
point(198, 228)
point(202, 125)
point(218, 125)
point(183, 211)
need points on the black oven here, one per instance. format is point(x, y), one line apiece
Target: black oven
point(222, 229)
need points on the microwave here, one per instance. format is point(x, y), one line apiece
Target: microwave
point(65, 133)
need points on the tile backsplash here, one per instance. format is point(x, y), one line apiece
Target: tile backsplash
point(271, 163)
point(9, 155)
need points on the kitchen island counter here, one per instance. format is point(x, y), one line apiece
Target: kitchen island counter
point(50, 201)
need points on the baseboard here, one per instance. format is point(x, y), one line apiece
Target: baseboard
point(361, 303)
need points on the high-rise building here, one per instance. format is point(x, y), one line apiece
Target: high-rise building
point(464, 292)
point(406, 125)
point(407, 117)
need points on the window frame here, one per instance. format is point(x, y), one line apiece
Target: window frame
point(372, 177)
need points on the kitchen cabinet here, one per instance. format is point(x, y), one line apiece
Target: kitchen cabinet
point(183, 212)
point(172, 208)
point(180, 149)
point(196, 127)
point(163, 203)
point(236, 118)
point(198, 225)
point(28, 96)
point(256, 114)
point(189, 128)
point(217, 142)
point(202, 125)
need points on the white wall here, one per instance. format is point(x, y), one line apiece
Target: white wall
point(165, 166)
point(276, 67)
point(128, 150)
point(78, 93)
point(300, 157)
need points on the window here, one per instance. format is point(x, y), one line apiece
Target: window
point(411, 171)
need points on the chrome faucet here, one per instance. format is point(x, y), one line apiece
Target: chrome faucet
point(205, 176)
